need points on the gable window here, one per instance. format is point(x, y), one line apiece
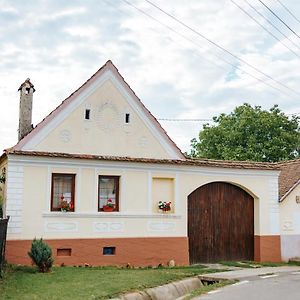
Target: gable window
point(108, 193)
point(62, 192)
point(87, 114)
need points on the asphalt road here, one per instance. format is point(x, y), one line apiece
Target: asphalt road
point(277, 286)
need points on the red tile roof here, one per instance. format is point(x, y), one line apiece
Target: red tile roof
point(289, 177)
point(184, 162)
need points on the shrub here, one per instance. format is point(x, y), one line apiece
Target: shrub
point(41, 255)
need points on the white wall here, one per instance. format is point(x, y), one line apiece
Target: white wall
point(29, 189)
point(290, 226)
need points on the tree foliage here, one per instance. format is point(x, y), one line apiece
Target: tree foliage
point(249, 133)
point(41, 255)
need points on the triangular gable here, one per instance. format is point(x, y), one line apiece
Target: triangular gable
point(106, 73)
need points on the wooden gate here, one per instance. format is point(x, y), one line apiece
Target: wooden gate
point(220, 223)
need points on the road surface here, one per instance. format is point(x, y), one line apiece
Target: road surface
point(269, 286)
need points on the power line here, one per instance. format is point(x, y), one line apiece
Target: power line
point(218, 46)
point(182, 36)
point(274, 14)
point(193, 42)
point(282, 33)
point(202, 120)
point(288, 10)
point(267, 30)
point(184, 120)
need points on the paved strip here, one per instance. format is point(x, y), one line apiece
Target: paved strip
point(241, 282)
point(214, 292)
point(285, 285)
point(296, 273)
point(247, 273)
point(268, 276)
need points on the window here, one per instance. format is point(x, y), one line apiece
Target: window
point(63, 192)
point(163, 190)
point(127, 118)
point(108, 193)
point(87, 114)
point(64, 252)
point(109, 250)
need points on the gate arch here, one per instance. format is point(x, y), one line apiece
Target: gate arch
point(220, 223)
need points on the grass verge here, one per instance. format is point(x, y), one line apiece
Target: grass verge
point(208, 288)
point(252, 264)
point(26, 283)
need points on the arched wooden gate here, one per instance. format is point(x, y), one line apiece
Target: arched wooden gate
point(220, 223)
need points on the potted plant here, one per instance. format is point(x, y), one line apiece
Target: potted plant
point(164, 206)
point(65, 205)
point(109, 207)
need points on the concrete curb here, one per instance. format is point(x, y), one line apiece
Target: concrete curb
point(168, 291)
point(179, 289)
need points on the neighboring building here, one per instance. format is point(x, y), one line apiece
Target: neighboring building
point(289, 197)
point(102, 146)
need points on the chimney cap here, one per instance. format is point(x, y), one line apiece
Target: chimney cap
point(28, 84)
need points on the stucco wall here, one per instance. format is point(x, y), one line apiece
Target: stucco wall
point(138, 216)
point(106, 133)
point(290, 225)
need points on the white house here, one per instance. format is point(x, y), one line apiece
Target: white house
point(101, 147)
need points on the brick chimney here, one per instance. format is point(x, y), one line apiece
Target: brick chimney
point(25, 113)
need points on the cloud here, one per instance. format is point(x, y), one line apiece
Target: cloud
point(174, 76)
point(82, 31)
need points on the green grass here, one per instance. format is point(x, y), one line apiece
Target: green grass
point(270, 264)
point(253, 264)
point(208, 288)
point(240, 264)
point(86, 283)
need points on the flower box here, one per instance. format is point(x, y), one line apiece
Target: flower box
point(108, 208)
point(164, 207)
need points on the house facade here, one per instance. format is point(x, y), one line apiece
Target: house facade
point(89, 179)
point(289, 197)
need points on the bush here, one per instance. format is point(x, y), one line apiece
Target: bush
point(41, 255)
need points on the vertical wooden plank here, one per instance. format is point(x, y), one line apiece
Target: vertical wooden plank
point(220, 223)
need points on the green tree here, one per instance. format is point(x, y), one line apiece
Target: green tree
point(249, 133)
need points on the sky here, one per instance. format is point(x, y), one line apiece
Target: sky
point(172, 67)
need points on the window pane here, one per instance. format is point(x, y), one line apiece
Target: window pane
point(108, 192)
point(62, 190)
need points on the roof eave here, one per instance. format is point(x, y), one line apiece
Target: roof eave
point(183, 162)
point(289, 191)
